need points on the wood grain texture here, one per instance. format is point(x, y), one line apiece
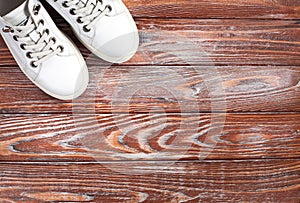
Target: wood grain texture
point(163, 89)
point(204, 42)
point(210, 181)
point(189, 48)
point(157, 137)
point(267, 9)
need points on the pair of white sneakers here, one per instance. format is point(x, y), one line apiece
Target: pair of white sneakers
point(49, 59)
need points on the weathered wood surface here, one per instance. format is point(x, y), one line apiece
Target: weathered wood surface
point(212, 9)
point(173, 89)
point(187, 48)
point(205, 42)
point(210, 181)
point(262, 9)
point(148, 137)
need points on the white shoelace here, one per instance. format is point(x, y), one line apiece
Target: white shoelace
point(89, 11)
point(41, 50)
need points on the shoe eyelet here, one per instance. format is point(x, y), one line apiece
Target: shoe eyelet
point(85, 29)
point(28, 55)
point(15, 37)
point(47, 31)
point(72, 11)
point(64, 4)
point(61, 48)
point(23, 46)
point(41, 22)
point(53, 39)
point(7, 29)
point(79, 20)
point(36, 9)
point(33, 65)
point(109, 8)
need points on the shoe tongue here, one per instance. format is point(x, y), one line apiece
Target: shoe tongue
point(18, 16)
point(23, 22)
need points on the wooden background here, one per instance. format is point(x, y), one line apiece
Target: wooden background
point(52, 150)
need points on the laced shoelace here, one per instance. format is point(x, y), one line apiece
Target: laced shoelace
point(41, 50)
point(89, 11)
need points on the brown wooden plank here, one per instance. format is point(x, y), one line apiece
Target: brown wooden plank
point(113, 137)
point(205, 42)
point(250, 9)
point(267, 9)
point(163, 89)
point(209, 181)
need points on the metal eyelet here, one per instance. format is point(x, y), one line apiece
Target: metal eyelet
point(72, 11)
point(79, 20)
point(23, 46)
point(64, 4)
point(36, 9)
point(28, 55)
point(109, 8)
point(7, 29)
point(47, 31)
point(53, 39)
point(85, 29)
point(41, 22)
point(15, 37)
point(61, 48)
point(33, 65)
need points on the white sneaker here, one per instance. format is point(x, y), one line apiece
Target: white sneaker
point(105, 27)
point(44, 54)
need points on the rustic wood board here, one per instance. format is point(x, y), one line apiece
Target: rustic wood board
point(170, 137)
point(173, 89)
point(266, 9)
point(205, 42)
point(212, 9)
point(154, 141)
point(210, 181)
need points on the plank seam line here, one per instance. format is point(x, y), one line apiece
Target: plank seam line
point(214, 18)
point(122, 113)
point(145, 161)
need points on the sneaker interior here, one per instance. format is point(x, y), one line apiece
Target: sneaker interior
point(7, 6)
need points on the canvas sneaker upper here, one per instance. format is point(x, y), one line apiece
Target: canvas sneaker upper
point(46, 56)
point(105, 27)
